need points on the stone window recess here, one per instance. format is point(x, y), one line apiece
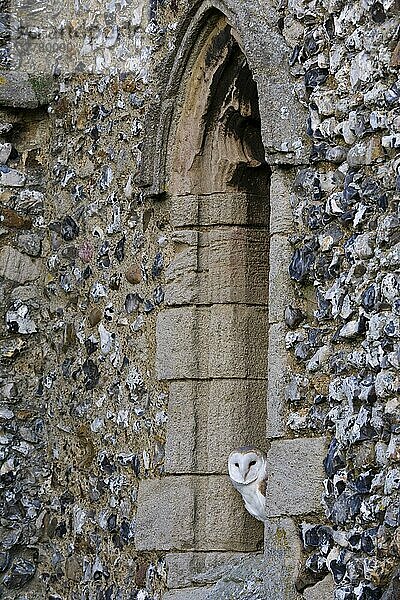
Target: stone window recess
point(211, 338)
point(213, 335)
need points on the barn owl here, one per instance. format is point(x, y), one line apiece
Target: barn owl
point(247, 468)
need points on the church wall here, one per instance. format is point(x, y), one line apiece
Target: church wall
point(86, 243)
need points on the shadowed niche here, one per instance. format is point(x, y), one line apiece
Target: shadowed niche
point(218, 146)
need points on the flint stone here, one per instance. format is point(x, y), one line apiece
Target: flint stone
point(22, 571)
point(11, 218)
point(5, 151)
point(30, 243)
point(364, 153)
point(17, 267)
point(296, 474)
point(393, 591)
point(11, 177)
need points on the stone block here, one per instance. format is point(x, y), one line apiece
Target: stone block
point(221, 341)
point(278, 376)
point(281, 219)
point(20, 90)
point(237, 208)
point(181, 280)
point(250, 576)
point(197, 593)
point(237, 337)
point(186, 568)
point(184, 211)
point(207, 419)
point(282, 554)
point(18, 267)
point(236, 416)
point(295, 476)
point(281, 291)
point(238, 265)
point(165, 515)
point(221, 209)
point(223, 265)
point(323, 590)
point(283, 133)
point(181, 448)
point(184, 513)
point(176, 347)
point(222, 523)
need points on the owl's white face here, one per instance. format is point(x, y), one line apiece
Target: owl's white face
point(246, 466)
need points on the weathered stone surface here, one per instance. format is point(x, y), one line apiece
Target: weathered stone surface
point(188, 594)
point(103, 409)
point(324, 589)
point(237, 266)
point(165, 516)
point(184, 568)
point(220, 341)
point(21, 90)
point(194, 513)
point(176, 353)
point(182, 277)
point(222, 265)
point(278, 375)
point(251, 577)
point(18, 267)
point(280, 289)
point(281, 215)
point(219, 209)
point(210, 418)
point(184, 211)
point(282, 558)
point(296, 474)
point(281, 131)
point(235, 335)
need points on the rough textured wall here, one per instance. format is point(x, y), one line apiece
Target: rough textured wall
point(24, 470)
point(343, 325)
point(83, 416)
point(346, 255)
point(81, 258)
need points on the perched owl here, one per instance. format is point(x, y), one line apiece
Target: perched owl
point(247, 468)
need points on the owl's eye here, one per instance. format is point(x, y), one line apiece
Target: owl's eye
point(236, 464)
point(252, 463)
